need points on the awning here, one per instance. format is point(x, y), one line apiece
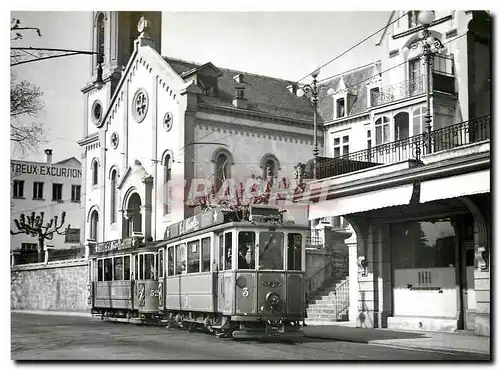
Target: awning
point(455, 186)
point(362, 202)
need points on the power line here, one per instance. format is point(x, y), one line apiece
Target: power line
point(354, 46)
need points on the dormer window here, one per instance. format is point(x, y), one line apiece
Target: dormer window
point(340, 107)
point(374, 95)
point(238, 78)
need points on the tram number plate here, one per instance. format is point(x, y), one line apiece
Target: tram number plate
point(154, 293)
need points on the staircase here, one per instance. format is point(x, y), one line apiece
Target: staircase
point(330, 303)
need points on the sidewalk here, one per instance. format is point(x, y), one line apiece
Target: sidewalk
point(447, 342)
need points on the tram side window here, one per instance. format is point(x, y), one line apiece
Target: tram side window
point(160, 263)
point(126, 268)
point(141, 267)
point(228, 250)
point(170, 260)
point(205, 254)
point(149, 267)
point(295, 252)
point(136, 269)
point(193, 257)
point(108, 269)
point(99, 270)
point(221, 252)
point(246, 250)
point(270, 250)
point(180, 259)
point(118, 268)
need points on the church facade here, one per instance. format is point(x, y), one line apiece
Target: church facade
point(160, 129)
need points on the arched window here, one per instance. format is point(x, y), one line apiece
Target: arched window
point(100, 34)
point(222, 171)
point(94, 222)
point(418, 118)
point(270, 165)
point(113, 197)
point(382, 130)
point(167, 178)
point(95, 171)
point(401, 125)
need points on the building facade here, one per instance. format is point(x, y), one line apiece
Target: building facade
point(51, 188)
point(160, 128)
point(417, 201)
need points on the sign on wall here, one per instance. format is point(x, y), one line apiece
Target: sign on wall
point(44, 170)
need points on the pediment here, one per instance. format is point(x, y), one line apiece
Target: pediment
point(137, 171)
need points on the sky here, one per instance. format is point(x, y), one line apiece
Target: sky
point(288, 45)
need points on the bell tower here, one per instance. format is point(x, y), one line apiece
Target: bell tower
point(113, 35)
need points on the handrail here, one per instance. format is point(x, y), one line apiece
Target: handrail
point(323, 268)
point(341, 294)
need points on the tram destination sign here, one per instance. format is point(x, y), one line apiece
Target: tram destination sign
point(194, 223)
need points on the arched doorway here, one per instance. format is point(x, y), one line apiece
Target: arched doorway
point(133, 216)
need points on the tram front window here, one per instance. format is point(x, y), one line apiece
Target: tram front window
point(270, 251)
point(246, 250)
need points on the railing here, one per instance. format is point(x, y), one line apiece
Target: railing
point(413, 147)
point(341, 294)
point(398, 91)
point(24, 258)
point(314, 242)
point(336, 263)
point(462, 133)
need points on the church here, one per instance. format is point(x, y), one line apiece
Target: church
point(157, 127)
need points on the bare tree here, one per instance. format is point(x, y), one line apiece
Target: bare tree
point(25, 103)
point(15, 27)
point(33, 226)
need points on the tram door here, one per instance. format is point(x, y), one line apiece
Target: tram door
point(225, 276)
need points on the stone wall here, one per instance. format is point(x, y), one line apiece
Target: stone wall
point(55, 286)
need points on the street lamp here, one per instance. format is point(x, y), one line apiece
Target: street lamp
point(313, 90)
point(431, 47)
point(23, 55)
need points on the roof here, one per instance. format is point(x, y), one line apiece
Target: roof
point(355, 81)
point(71, 161)
point(264, 94)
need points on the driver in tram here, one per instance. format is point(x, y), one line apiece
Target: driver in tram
point(242, 257)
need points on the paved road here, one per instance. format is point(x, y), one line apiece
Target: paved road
point(46, 337)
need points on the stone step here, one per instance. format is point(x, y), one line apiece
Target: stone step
point(326, 317)
point(330, 307)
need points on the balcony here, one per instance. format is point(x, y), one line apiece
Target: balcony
point(443, 80)
point(446, 138)
point(401, 90)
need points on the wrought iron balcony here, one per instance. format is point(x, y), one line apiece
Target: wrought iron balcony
point(399, 91)
point(463, 133)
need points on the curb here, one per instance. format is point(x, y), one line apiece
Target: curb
point(407, 347)
point(53, 313)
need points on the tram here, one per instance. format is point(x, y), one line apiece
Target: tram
point(234, 274)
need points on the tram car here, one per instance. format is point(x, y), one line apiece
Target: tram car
point(237, 275)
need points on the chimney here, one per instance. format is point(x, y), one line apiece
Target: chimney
point(48, 156)
point(238, 78)
point(240, 101)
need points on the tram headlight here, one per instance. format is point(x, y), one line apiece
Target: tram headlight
point(273, 299)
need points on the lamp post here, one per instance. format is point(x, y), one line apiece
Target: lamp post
point(430, 47)
point(313, 90)
point(21, 55)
